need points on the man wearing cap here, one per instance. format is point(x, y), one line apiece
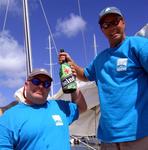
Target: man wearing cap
point(121, 74)
point(38, 124)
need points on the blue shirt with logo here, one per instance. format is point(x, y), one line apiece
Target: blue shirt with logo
point(38, 127)
point(121, 74)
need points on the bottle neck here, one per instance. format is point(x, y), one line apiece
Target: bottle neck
point(64, 61)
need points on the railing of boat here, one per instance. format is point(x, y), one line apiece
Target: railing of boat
point(78, 143)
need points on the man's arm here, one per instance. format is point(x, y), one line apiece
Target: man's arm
point(6, 139)
point(77, 70)
point(78, 98)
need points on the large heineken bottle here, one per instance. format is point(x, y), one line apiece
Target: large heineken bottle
point(68, 80)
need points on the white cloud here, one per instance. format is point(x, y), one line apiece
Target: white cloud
point(2, 100)
point(70, 26)
point(12, 61)
point(14, 5)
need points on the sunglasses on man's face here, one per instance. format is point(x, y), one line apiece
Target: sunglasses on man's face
point(46, 84)
point(106, 25)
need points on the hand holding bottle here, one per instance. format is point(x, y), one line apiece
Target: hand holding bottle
point(67, 74)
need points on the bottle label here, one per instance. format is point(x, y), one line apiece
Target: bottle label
point(65, 70)
point(68, 80)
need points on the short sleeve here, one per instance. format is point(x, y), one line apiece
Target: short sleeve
point(6, 139)
point(89, 72)
point(70, 109)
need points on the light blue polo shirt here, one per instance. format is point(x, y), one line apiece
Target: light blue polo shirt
point(43, 127)
point(121, 74)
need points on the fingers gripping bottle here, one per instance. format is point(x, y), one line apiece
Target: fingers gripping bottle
point(68, 80)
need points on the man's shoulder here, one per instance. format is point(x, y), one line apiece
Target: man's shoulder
point(102, 53)
point(136, 41)
point(137, 38)
point(61, 103)
point(58, 101)
point(16, 109)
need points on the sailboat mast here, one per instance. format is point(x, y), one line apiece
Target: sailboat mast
point(27, 37)
point(50, 57)
point(95, 46)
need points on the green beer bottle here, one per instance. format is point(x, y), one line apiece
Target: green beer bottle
point(68, 80)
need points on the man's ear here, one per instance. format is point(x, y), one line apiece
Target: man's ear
point(123, 21)
point(26, 83)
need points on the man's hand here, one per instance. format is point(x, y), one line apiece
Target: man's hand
point(77, 70)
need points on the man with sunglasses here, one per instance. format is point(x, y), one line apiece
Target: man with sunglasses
point(121, 74)
point(38, 124)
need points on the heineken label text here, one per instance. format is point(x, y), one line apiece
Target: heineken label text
point(68, 80)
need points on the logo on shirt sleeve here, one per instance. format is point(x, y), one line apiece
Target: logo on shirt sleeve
point(122, 64)
point(58, 120)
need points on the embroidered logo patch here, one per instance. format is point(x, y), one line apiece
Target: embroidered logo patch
point(58, 120)
point(122, 64)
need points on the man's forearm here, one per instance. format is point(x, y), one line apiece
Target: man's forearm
point(80, 73)
point(78, 98)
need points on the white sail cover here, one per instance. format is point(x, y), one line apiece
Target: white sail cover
point(143, 32)
point(89, 91)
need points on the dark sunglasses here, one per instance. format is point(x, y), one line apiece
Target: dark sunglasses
point(46, 84)
point(106, 25)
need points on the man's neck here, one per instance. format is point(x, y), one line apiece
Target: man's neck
point(28, 102)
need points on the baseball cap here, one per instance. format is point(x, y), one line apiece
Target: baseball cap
point(109, 10)
point(36, 72)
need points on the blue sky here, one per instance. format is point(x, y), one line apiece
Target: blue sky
point(68, 22)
